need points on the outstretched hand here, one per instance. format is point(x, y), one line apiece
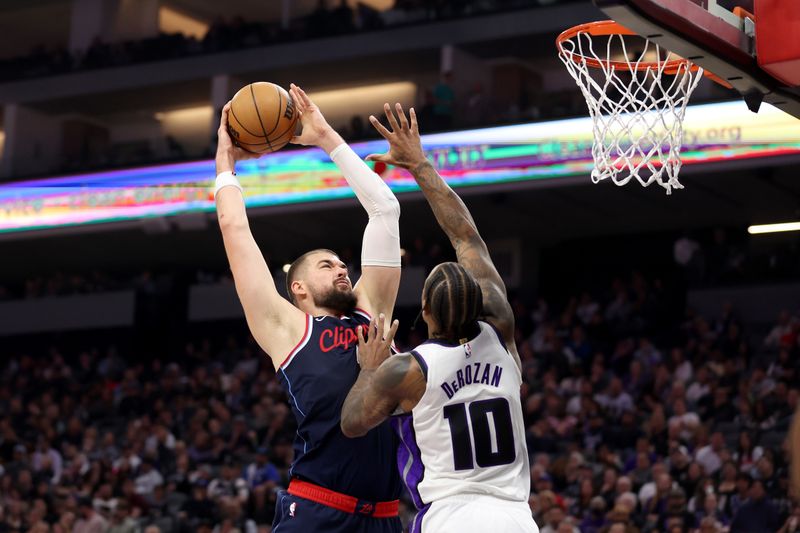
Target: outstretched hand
point(374, 350)
point(405, 146)
point(227, 152)
point(315, 128)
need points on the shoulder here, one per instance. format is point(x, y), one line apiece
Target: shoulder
point(361, 315)
point(488, 327)
point(397, 370)
point(401, 377)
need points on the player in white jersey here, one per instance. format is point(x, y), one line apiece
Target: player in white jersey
point(456, 397)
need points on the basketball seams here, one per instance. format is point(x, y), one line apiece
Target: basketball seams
point(258, 114)
point(254, 144)
point(291, 126)
point(288, 136)
point(278, 114)
point(242, 124)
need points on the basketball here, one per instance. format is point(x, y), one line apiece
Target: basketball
point(262, 117)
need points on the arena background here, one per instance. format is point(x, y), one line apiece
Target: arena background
point(659, 338)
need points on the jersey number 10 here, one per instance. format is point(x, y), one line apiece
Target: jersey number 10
point(490, 450)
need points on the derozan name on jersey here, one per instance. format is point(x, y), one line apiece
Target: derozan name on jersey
point(473, 374)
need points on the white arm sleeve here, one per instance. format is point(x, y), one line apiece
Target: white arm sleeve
point(381, 246)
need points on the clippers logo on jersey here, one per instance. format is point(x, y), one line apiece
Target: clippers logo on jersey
point(339, 337)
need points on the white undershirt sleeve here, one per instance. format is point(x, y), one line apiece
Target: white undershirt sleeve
point(381, 245)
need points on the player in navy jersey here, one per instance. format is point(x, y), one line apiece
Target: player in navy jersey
point(456, 397)
point(337, 484)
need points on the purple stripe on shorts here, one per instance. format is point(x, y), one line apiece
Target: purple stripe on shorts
point(416, 525)
point(409, 451)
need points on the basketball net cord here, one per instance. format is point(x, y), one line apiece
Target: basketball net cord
point(637, 124)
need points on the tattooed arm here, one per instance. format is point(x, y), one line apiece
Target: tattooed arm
point(377, 393)
point(405, 150)
point(383, 384)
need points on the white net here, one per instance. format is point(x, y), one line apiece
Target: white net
point(637, 101)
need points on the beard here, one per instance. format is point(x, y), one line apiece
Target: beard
point(341, 300)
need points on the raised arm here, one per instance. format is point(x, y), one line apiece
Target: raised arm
point(405, 150)
point(276, 324)
point(377, 287)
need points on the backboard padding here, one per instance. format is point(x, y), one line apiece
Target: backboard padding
point(691, 31)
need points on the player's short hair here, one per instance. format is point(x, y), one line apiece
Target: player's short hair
point(455, 301)
point(296, 267)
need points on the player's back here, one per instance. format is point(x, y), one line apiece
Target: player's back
point(466, 435)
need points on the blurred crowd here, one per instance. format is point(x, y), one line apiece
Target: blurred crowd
point(330, 18)
point(637, 421)
point(724, 257)
point(75, 283)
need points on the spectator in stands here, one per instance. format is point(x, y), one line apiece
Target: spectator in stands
point(783, 334)
point(46, 460)
point(444, 102)
point(757, 514)
point(710, 509)
point(262, 479)
point(90, 521)
point(710, 457)
point(229, 486)
point(121, 520)
point(615, 401)
point(198, 509)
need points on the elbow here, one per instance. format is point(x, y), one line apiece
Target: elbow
point(393, 207)
point(465, 232)
point(231, 223)
point(350, 430)
point(387, 208)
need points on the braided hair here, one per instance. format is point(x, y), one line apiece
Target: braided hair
point(455, 300)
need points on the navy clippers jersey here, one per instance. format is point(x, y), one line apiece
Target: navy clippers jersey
point(317, 376)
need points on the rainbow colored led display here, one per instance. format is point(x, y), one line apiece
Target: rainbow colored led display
point(547, 150)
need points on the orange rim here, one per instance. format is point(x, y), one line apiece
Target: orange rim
point(610, 27)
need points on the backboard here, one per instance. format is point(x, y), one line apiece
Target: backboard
point(708, 33)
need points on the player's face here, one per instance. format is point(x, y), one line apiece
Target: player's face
point(329, 283)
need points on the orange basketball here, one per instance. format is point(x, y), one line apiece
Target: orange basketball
point(262, 117)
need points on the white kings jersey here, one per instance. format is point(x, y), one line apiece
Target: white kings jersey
point(466, 435)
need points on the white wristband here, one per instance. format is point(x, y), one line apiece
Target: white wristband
point(224, 180)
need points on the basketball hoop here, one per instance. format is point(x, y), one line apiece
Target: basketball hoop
point(637, 95)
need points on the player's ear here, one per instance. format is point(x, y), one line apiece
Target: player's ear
point(426, 313)
point(298, 289)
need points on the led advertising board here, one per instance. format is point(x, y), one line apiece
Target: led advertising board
point(536, 151)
